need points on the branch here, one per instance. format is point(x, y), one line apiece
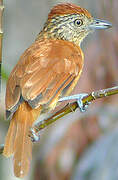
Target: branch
point(71, 107)
point(1, 36)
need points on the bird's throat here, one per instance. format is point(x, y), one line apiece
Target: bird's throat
point(66, 36)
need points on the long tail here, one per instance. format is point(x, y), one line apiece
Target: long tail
point(17, 140)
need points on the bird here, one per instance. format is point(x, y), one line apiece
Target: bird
point(47, 71)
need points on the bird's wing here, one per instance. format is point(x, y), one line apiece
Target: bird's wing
point(44, 72)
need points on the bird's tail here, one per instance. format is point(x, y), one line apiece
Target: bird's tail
point(17, 140)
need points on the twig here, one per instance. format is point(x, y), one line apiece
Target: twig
point(71, 107)
point(1, 37)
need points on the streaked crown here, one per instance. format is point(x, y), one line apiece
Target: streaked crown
point(70, 22)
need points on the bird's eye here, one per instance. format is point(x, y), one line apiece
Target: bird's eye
point(78, 22)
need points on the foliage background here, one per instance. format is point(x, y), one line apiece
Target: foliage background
point(79, 146)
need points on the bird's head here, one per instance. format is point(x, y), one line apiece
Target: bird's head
point(72, 23)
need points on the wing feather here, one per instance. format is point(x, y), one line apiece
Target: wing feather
point(43, 73)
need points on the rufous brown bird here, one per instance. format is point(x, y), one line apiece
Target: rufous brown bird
point(48, 70)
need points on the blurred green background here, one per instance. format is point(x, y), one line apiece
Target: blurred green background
point(79, 146)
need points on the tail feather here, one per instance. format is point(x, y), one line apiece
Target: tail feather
point(21, 145)
point(9, 141)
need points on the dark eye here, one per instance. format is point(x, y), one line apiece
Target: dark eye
point(78, 22)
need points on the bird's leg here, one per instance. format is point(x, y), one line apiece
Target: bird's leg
point(78, 98)
point(35, 137)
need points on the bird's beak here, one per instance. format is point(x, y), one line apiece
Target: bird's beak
point(100, 24)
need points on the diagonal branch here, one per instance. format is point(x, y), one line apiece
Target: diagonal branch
point(71, 107)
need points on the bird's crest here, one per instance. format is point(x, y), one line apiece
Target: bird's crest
point(68, 8)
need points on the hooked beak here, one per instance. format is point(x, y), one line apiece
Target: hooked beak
point(100, 24)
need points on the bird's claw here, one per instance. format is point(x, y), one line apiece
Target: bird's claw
point(81, 106)
point(78, 98)
point(35, 137)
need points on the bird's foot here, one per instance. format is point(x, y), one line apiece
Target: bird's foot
point(78, 98)
point(35, 137)
point(83, 107)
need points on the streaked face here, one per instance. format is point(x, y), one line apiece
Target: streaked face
point(73, 27)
